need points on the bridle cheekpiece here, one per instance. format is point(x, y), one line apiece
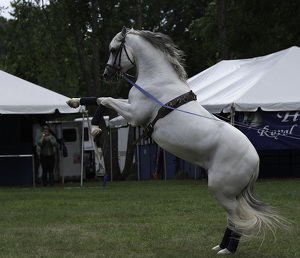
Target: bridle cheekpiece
point(116, 68)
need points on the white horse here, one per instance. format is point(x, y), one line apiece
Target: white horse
point(229, 158)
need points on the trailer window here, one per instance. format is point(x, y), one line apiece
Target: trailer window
point(69, 135)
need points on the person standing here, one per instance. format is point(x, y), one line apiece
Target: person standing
point(47, 142)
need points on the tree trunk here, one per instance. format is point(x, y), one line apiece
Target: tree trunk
point(129, 153)
point(96, 49)
point(139, 15)
point(105, 146)
point(115, 157)
point(85, 67)
point(224, 48)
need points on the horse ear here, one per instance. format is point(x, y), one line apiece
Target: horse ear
point(124, 31)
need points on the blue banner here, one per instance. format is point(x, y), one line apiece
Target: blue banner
point(272, 130)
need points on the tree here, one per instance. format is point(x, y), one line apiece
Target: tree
point(35, 50)
point(173, 18)
point(3, 25)
point(224, 48)
point(254, 28)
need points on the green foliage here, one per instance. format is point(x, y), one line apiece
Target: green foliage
point(269, 26)
point(63, 45)
point(134, 219)
point(176, 17)
point(38, 49)
point(254, 28)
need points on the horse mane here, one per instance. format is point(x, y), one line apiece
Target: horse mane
point(163, 42)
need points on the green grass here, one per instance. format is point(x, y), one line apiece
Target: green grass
point(134, 219)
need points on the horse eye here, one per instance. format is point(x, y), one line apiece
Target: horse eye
point(112, 50)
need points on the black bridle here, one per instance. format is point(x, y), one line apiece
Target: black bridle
point(116, 66)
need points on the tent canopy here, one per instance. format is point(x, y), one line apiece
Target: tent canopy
point(270, 82)
point(118, 122)
point(22, 97)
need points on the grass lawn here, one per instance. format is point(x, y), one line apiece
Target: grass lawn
point(135, 219)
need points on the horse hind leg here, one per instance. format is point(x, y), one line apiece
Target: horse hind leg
point(246, 214)
point(230, 240)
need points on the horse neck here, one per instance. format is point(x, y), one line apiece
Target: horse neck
point(152, 65)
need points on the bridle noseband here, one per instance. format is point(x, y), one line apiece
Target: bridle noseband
point(116, 68)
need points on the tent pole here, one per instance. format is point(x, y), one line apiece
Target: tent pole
point(165, 165)
point(110, 152)
point(232, 114)
point(61, 167)
point(82, 143)
point(33, 171)
point(138, 161)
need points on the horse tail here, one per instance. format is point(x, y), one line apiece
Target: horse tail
point(254, 216)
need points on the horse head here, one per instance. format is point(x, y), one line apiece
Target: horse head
point(119, 61)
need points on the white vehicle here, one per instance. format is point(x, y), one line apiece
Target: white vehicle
point(121, 124)
point(69, 168)
point(66, 167)
point(93, 155)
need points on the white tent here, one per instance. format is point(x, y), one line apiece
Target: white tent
point(271, 82)
point(22, 97)
point(18, 96)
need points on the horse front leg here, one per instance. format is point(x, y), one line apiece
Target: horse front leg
point(122, 106)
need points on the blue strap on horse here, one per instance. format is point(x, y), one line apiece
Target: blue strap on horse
point(164, 110)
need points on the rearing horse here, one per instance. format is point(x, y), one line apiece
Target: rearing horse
point(229, 158)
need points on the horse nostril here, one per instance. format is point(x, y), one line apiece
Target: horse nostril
point(106, 76)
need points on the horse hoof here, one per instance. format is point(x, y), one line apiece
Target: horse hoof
point(73, 103)
point(216, 248)
point(96, 134)
point(224, 251)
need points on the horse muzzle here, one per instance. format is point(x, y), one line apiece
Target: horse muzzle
point(111, 71)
